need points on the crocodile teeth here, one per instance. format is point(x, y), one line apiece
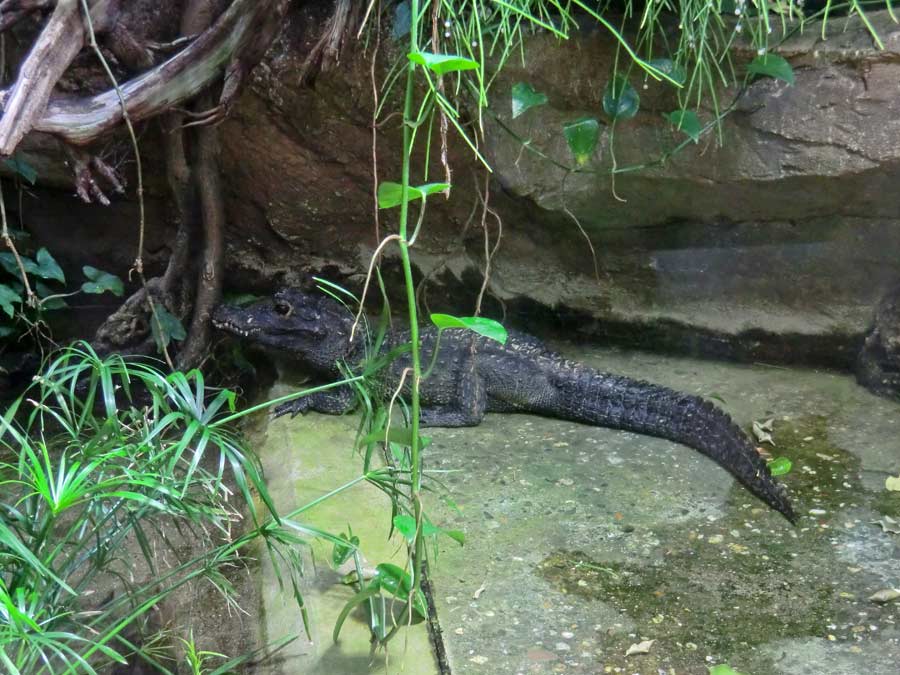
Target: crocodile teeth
point(234, 328)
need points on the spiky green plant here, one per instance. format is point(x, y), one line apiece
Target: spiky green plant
point(103, 456)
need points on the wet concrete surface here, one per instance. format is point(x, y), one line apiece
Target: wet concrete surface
point(583, 541)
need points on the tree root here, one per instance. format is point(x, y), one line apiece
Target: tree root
point(209, 283)
point(190, 189)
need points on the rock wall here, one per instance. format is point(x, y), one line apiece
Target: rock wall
point(775, 246)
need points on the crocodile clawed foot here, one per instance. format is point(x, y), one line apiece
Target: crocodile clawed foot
point(299, 406)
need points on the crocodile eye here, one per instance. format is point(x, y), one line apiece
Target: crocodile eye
point(283, 308)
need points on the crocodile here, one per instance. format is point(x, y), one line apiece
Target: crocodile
point(473, 375)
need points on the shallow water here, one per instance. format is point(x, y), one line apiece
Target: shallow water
point(582, 541)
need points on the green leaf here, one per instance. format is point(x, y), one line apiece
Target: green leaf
point(47, 268)
point(6, 331)
point(780, 466)
point(772, 65)
point(44, 291)
point(166, 327)
point(429, 529)
point(100, 282)
point(723, 669)
point(686, 121)
point(402, 20)
point(405, 525)
point(670, 68)
point(390, 194)
point(486, 327)
point(8, 262)
point(398, 583)
point(368, 592)
point(620, 100)
point(7, 297)
point(341, 553)
point(388, 578)
point(21, 167)
point(441, 64)
point(524, 97)
point(582, 136)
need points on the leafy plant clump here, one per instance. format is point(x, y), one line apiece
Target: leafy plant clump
point(101, 459)
point(32, 285)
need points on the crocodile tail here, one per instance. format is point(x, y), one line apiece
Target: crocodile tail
point(622, 403)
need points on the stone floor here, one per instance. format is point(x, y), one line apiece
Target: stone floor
point(584, 541)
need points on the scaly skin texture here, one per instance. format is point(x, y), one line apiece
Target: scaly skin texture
point(473, 375)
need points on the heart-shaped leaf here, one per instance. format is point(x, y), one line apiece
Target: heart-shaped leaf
point(486, 327)
point(165, 327)
point(441, 64)
point(620, 100)
point(8, 297)
point(391, 194)
point(686, 121)
point(100, 282)
point(9, 264)
point(405, 525)
point(582, 136)
point(21, 167)
point(47, 268)
point(780, 466)
point(524, 97)
point(772, 65)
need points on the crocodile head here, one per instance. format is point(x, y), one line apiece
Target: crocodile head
point(312, 328)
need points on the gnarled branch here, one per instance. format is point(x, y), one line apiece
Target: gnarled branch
point(234, 35)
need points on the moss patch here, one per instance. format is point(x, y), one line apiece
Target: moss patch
point(722, 588)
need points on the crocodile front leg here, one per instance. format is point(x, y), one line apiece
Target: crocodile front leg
point(452, 416)
point(337, 401)
point(464, 407)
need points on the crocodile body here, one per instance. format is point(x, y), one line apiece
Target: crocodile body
point(474, 375)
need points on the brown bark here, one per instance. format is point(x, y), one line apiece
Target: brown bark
point(178, 173)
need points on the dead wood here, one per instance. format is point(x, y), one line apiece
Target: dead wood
point(235, 34)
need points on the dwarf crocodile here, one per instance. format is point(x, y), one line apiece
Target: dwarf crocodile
point(473, 375)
